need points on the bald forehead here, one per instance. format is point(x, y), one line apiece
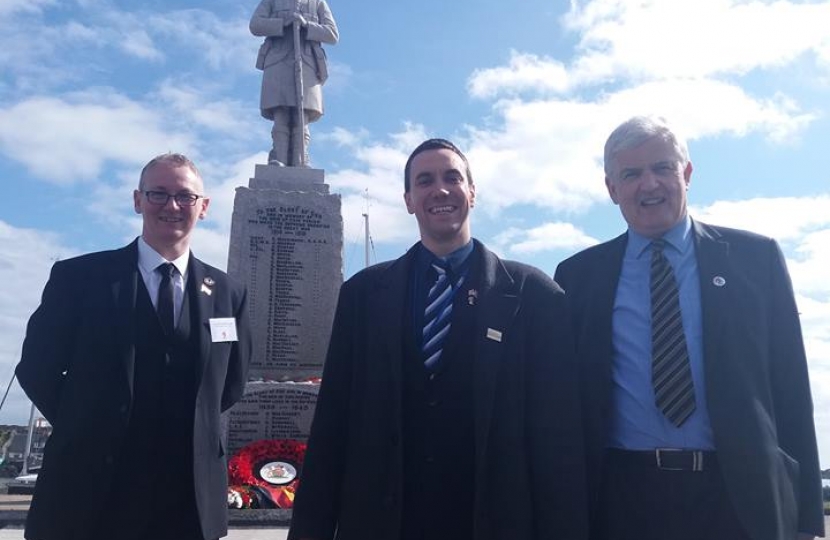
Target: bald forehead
point(160, 167)
point(161, 174)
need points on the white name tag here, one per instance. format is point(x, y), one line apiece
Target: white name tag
point(223, 329)
point(495, 335)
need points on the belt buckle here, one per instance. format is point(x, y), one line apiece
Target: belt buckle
point(697, 459)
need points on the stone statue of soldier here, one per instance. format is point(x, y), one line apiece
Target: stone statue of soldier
point(274, 20)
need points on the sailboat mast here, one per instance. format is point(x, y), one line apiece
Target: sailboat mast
point(366, 239)
point(28, 450)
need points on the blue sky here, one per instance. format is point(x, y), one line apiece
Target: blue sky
point(91, 89)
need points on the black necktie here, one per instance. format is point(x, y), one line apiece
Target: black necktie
point(164, 304)
point(671, 374)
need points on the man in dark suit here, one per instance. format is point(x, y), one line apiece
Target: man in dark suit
point(448, 407)
point(698, 416)
point(131, 356)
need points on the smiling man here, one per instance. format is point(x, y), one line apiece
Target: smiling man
point(448, 408)
point(699, 421)
point(131, 356)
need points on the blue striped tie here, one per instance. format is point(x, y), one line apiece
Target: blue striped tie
point(671, 374)
point(437, 315)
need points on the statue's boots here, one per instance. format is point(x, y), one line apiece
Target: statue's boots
point(299, 158)
point(279, 153)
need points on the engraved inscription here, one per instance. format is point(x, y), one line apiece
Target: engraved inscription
point(272, 411)
point(286, 246)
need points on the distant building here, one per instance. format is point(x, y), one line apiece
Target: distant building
point(14, 448)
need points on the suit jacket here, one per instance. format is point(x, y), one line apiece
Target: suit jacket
point(757, 389)
point(529, 471)
point(77, 367)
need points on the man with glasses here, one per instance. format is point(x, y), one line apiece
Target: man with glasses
point(131, 356)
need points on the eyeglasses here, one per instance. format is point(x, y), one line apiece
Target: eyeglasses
point(182, 199)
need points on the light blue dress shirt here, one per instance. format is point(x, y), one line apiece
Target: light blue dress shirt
point(636, 422)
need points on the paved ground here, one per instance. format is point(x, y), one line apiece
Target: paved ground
point(235, 534)
point(21, 502)
point(12, 504)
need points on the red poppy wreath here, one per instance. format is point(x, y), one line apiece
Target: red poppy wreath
point(265, 474)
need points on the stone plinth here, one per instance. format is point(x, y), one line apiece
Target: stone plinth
point(286, 246)
point(272, 410)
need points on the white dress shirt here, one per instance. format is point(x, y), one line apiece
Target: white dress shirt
point(148, 261)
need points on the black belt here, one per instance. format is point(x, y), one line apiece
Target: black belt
point(666, 459)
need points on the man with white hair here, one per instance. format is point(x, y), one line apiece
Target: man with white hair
point(698, 416)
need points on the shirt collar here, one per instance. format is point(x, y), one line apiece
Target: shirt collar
point(149, 259)
point(456, 259)
point(678, 237)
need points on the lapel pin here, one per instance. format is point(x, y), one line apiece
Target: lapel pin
point(206, 290)
point(719, 281)
point(209, 281)
point(472, 296)
point(495, 335)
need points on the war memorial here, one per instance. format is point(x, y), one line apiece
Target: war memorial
point(286, 246)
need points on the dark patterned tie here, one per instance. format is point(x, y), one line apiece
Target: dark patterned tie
point(164, 303)
point(671, 374)
point(437, 315)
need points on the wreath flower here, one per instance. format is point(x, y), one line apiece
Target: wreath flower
point(240, 497)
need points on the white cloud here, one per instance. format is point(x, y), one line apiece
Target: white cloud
point(340, 76)
point(111, 204)
point(810, 269)
point(379, 192)
point(783, 218)
point(707, 107)
point(524, 72)
point(545, 237)
point(26, 256)
point(198, 107)
point(692, 38)
point(224, 44)
point(70, 138)
point(211, 246)
point(555, 145)
point(343, 137)
point(79, 33)
point(139, 44)
point(545, 155)
point(42, 52)
point(221, 180)
point(8, 7)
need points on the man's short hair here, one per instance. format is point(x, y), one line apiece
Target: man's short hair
point(169, 158)
point(637, 130)
point(434, 144)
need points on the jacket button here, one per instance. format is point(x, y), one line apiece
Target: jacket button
point(108, 460)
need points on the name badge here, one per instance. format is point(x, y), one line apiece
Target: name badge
point(495, 335)
point(223, 329)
